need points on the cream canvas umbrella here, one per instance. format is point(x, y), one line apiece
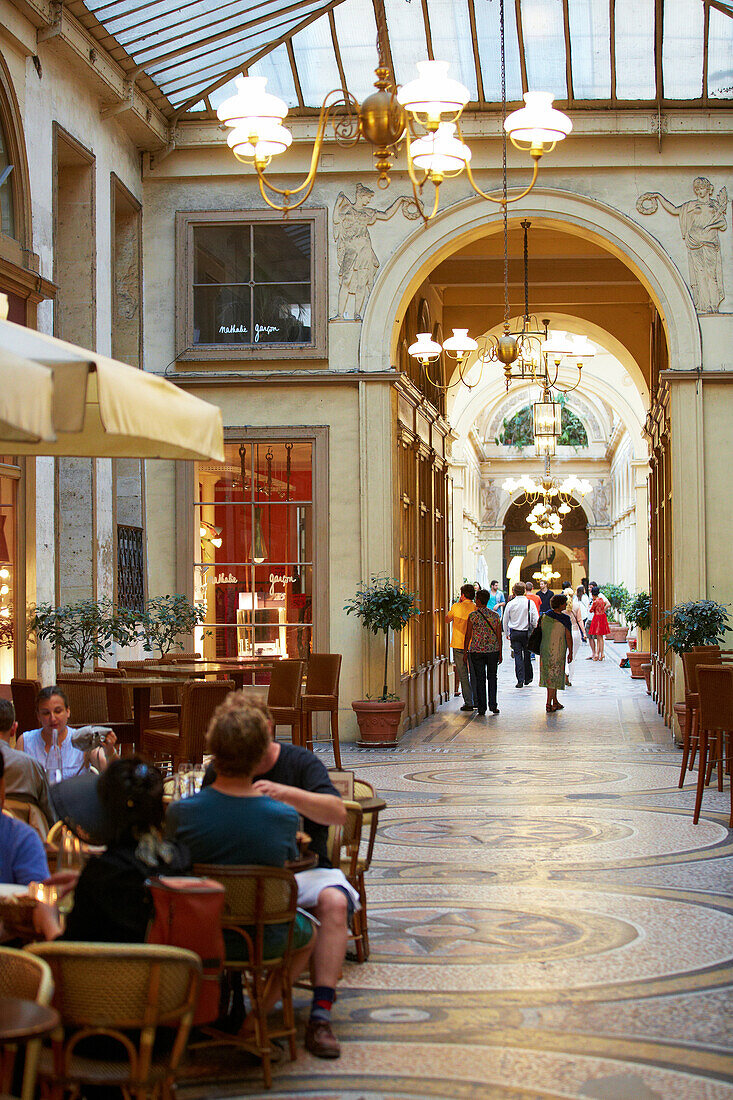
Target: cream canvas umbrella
point(98, 407)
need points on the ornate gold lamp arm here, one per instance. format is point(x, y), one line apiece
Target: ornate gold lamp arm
point(504, 199)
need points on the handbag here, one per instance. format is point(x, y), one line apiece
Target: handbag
point(535, 639)
point(187, 913)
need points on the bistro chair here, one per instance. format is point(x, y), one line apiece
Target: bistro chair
point(257, 900)
point(344, 842)
point(691, 661)
point(715, 683)
point(322, 695)
point(23, 975)
point(283, 696)
point(24, 694)
point(185, 743)
point(178, 657)
point(26, 809)
point(124, 992)
point(142, 668)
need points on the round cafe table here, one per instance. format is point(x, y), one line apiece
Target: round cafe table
point(20, 1022)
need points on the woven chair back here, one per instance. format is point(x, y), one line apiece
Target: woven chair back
point(152, 985)
point(179, 658)
point(87, 698)
point(199, 700)
point(285, 685)
point(256, 897)
point(27, 810)
point(692, 660)
point(134, 669)
point(324, 671)
point(715, 684)
point(23, 975)
point(24, 694)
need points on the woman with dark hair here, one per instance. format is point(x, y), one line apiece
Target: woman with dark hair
point(599, 622)
point(51, 744)
point(557, 642)
point(123, 809)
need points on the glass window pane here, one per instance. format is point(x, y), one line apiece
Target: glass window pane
point(282, 313)
point(544, 47)
point(487, 32)
point(590, 30)
point(356, 31)
point(635, 49)
point(8, 603)
point(222, 315)
point(7, 208)
point(221, 254)
point(282, 252)
point(276, 67)
point(406, 30)
point(682, 49)
point(720, 55)
point(450, 30)
point(316, 62)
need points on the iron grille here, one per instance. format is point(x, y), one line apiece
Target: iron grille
point(130, 568)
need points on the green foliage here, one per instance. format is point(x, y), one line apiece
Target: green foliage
point(619, 597)
point(383, 605)
point(639, 611)
point(518, 430)
point(697, 622)
point(83, 631)
point(165, 618)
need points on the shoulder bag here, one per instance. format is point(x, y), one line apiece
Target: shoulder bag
point(534, 641)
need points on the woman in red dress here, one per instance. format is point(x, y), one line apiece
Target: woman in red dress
point(599, 623)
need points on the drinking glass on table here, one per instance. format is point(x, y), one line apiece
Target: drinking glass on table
point(184, 775)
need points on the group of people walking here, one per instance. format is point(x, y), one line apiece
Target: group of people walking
point(481, 619)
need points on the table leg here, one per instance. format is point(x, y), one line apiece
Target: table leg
point(141, 712)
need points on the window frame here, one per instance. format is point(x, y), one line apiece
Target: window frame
point(186, 350)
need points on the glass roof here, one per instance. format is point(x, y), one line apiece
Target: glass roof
point(185, 54)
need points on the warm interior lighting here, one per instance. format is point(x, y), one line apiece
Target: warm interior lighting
point(440, 154)
point(537, 126)
point(433, 97)
point(425, 349)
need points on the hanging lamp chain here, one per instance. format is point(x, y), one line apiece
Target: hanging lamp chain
point(503, 163)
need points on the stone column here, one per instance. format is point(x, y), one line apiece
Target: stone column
point(640, 469)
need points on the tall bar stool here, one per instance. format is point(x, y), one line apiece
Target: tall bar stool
point(322, 695)
point(715, 719)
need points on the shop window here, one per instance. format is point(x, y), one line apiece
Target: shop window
point(255, 567)
point(254, 287)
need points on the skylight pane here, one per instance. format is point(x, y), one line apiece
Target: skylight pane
point(201, 68)
point(590, 30)
point(487, 32)
point(406, 30)
point(356, 31)
point(720, 55)
point(544, 47)
point(635, 49)
point(316, 62)
point(276, 67)
point(450, 30)
point(682, 49)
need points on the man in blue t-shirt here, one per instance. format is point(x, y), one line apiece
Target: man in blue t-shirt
point(497, 599)
point(22, 855)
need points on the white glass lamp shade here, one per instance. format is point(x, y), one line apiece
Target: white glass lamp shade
point(538, 125)
point(547, 418)
point(556, 345)
point(441, 153)
point(545, 444)
point(259, 145)
point(564, 509)
point(459, 344)
point(582, 348)
point(433, 96)
point(425, 348)
point(510, 485)
point(251, 106)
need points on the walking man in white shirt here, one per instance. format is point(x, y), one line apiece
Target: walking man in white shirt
point(520, 619)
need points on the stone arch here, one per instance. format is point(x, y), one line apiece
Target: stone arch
point(567, 211)
point(11, 122)
point(518, 398)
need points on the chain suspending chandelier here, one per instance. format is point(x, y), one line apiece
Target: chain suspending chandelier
point(550, 498)
point(423, 115)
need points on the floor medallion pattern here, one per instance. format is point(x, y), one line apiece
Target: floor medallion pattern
point(545, 920)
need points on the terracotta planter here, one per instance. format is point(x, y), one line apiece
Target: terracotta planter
point(636, 662)
point(379, 723)
point(617, 632)
point(647, 670)
point(632, 643)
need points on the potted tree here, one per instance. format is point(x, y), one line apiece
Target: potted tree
point(165, 619)
point(639, 614)
point(84, 631)
point(382, 605)
point(618, 596)
point(697, 622)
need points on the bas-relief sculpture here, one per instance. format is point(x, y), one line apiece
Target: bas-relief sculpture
point(358, 264)
point(601, 501)
point(702, 220)
point(490, 503)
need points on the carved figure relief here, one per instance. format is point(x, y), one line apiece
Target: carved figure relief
point(490, 503)
point(601, 501)
point(358, 263)
point(702, 220)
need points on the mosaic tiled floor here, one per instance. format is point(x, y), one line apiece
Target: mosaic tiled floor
point(545, 919)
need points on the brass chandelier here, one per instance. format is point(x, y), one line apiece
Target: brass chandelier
point(550, 498)
point(423, 116)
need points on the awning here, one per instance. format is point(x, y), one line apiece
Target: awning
point(100, 408)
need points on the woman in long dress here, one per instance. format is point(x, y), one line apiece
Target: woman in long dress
point(557, 643)
point(599, 623)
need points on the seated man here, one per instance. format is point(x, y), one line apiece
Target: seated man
point(295, 776)
point(25, 779)
point(22, 855)
point(230, 822)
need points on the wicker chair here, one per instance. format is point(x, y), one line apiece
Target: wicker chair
point(22, 975)
point(344, 843)
point(25, 693)
point(322, 695)
point(26, 809)
point(715, 685)
point(186, 742)
point(691, 661)
point(87, 695)
point(256, 899)
point(118, 990)
point(283, 697)
point(142, 668)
